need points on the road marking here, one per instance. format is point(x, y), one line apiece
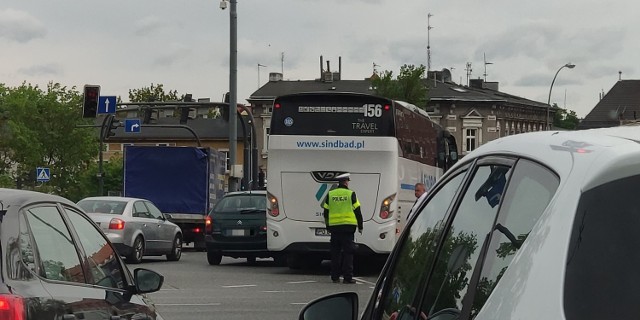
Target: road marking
point(298, 282)
point(364, 281)
point(299, 303)
point(241, 286)
point(187, 304)
point(277, 291)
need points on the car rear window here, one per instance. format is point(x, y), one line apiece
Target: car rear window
point(102, 206)
point(237, 203)
point(602, 264)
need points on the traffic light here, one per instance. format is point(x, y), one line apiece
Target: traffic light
point(90, 101)
point(111, 126)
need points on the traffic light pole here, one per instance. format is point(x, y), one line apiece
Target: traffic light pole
point(103, 132)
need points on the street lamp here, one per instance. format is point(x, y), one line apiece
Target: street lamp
point(568, 65)
point(233, 84)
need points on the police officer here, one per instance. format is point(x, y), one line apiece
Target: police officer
point(342, 215)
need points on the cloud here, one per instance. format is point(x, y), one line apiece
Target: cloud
point(541, 80)
point(42, 70)
point(172, 55)
point(20, 26)
point(148, 25)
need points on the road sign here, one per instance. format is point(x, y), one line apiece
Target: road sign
point(132, 125)
point(107, 104)
point(43, 174)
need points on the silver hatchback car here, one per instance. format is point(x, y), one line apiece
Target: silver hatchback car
point(135, 226)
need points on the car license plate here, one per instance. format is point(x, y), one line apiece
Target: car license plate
point(238, 232)
point(322, 232)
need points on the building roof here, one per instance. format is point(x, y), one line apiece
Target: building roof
point(438, 91)
point(622, 102)
point(273, 89)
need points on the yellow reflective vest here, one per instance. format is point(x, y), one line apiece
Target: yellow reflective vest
point(341, 208)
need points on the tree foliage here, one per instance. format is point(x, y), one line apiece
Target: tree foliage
point(565, 119)
point(153, 93)
point(38, 129)
point(407, 86)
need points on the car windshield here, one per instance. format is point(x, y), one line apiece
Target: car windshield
point(241, 203)
point(102, 206)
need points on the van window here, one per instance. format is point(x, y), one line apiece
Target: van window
point(604, 237)
point(416, 253)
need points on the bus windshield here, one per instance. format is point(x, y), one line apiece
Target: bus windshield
point(332, 115)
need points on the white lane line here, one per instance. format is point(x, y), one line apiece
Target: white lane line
point(277, 291)
point(241, 286)
point(187, 304)
point(298, 282)
point(364, 281)
point(299, 303)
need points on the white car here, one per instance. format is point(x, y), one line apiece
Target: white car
point(539, 225)
point(135, 226)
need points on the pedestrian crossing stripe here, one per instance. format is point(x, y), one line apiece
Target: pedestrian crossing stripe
point(43, 174)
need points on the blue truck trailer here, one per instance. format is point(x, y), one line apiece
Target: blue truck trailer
point(183, 182)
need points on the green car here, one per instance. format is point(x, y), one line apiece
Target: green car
point(236, 227)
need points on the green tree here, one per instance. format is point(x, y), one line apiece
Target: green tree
point(565, 119)
point(40, 130)
point(407, 86)
point(153, 93)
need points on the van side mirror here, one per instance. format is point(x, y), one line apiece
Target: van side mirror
point(340, 306)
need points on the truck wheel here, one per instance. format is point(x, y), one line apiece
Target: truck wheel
point(214, 258)
point(137, 253)
point(176, 250)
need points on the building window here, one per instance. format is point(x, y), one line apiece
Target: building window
point(265, 143)
point(268, 108)
point(471, 139)
point(226, 159)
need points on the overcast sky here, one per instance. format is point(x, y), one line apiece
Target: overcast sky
point(184, 45)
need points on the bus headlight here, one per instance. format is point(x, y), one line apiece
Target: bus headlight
point(273, 209)
point(385, 207)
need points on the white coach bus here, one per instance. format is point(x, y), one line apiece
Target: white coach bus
point(387, 146)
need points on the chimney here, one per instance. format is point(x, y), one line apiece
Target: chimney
point(321, 63)
point(339, 66)
point(476, 83)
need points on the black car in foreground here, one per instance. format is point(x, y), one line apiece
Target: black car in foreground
point(55, 263)
point(237, 227)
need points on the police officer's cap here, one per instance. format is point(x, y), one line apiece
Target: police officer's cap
point(344, 177)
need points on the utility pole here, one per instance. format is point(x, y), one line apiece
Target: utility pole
point(484, 56)
point(468, 69)
point(429, 27)
point(233, 89)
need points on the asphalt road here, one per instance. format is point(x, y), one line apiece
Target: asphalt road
point(195, 290)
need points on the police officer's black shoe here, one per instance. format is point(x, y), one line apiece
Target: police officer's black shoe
point(349, 281)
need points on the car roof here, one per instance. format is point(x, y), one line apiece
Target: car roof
point(115, 198)
point(593, 156)
point(14, 197)
point(247, 192)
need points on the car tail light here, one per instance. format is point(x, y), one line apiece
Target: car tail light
point(116, 224)
point(273, 209)
point(385, 207)
point(263, 228)
point(208, 225)
point(196, 230)
point(12, 307)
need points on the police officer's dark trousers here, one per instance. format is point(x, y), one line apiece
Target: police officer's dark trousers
point(342, 249)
